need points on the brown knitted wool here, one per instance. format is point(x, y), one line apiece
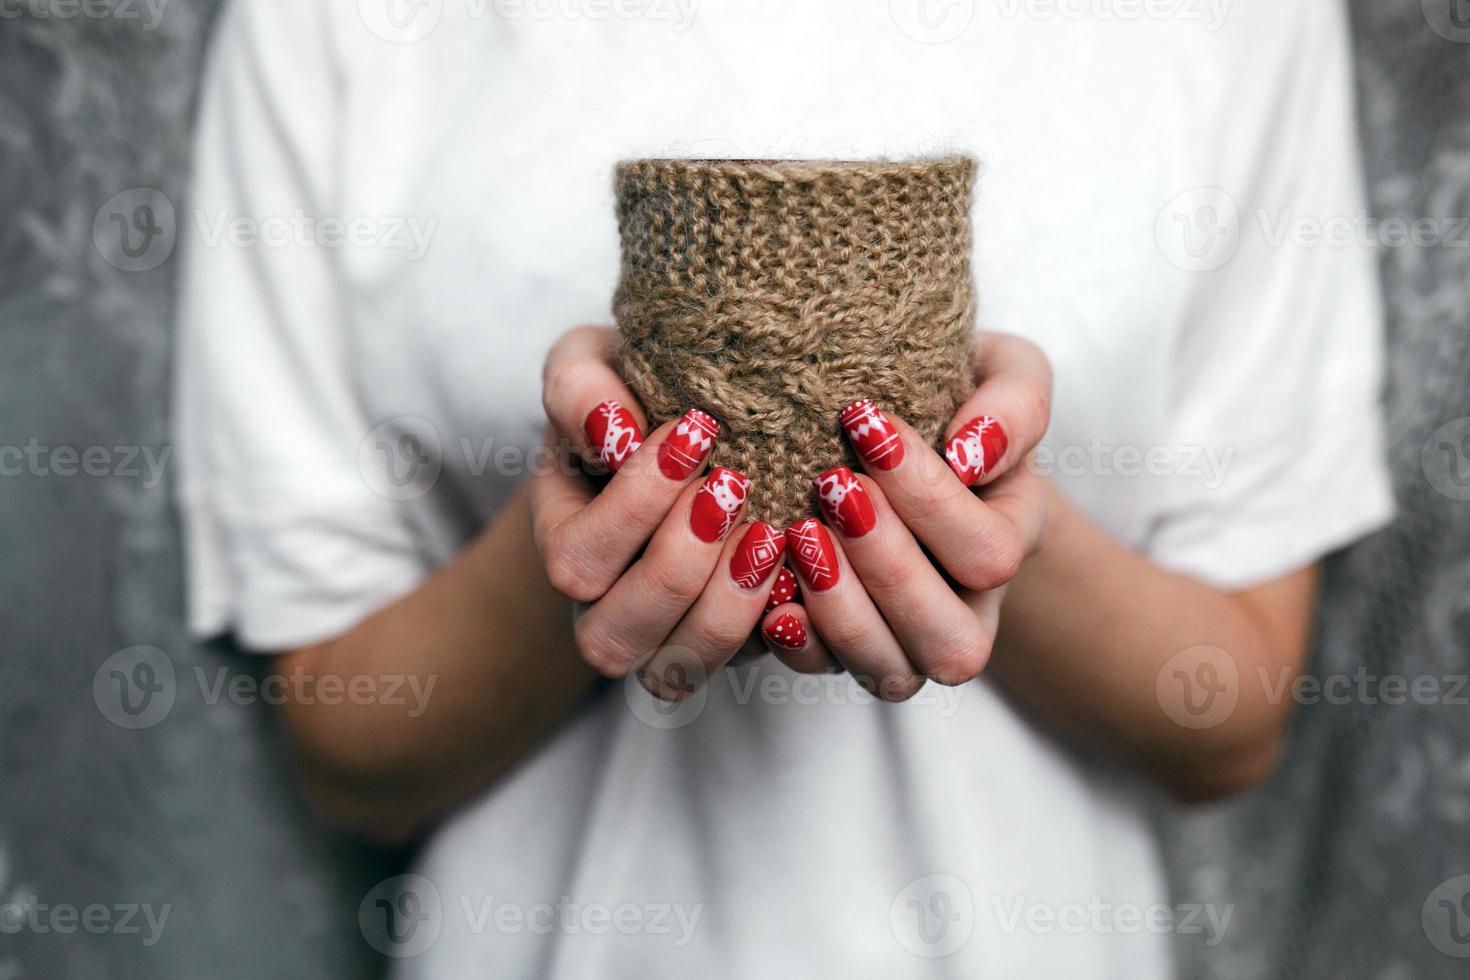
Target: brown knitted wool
point(772, 294)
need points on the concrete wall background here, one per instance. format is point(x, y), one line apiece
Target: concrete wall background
point(1331, 869)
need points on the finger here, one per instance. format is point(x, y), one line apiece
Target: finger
point(587, 545)
point(558, 490)
point(587, 401)
point(980, 545)
point(785, 590)
point(787, 632)
point(1007, 414)
point(935, 627)
point(626, 626)
point(846, 619)
point(721, 620)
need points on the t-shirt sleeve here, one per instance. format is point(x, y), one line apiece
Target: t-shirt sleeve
point(286, 543)
point(1277, 370)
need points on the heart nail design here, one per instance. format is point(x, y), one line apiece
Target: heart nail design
point(815, 556)
point(613, 434)
point(845, 502)
point(687, 445)
point(760, 551)
point(718, 503)
point(872, 435)
point(975, 449)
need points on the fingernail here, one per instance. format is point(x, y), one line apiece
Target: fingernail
point(811, 549)
point(612, 433)
point(785, 632)
point(846, 504)
point(872, 435)
point(784, 590)
point(756, 555)
point(975, 449)
point(687, 446)
point(718, 503)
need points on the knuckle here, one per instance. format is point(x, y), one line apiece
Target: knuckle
point(600, 650)
point(926, 503)
point(673, 580)
point(572, 576)
point(993, 567)
point(723, 638)
point(1034, 403)
point(560, 382)
point(958, 660)
point(844, 638)
point(888, 577)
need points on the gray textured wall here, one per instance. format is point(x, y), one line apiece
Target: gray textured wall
point(1333, 869)
point(1342, 866)
point(194, 811)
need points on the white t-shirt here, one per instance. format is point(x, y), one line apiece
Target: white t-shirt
point(1150, 186)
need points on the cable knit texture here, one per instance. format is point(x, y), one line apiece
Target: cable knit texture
point(772, 294)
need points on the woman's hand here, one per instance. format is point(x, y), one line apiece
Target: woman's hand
point(672, 583)
point(874, 601)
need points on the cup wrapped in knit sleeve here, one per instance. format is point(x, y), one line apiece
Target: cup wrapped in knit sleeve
point(773, 294)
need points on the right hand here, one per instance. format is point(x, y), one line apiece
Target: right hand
point(672, 585)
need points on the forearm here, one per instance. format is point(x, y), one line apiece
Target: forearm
point(495, 642)
point(1088, 626)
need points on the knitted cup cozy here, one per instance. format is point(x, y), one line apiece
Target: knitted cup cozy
point(772, 294)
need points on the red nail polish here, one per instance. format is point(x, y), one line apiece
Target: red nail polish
point(845, 502)
point(687, 445)
point(613, 434)
point(718, 503)
point(814, 554)
point(975, 449)
point(760, 551)
point(786, 632)
point(872, 435)
point(784, 590)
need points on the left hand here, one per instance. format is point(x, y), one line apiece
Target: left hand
point(874, 600)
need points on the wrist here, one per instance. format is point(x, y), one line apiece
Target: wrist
point(1058, 513)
